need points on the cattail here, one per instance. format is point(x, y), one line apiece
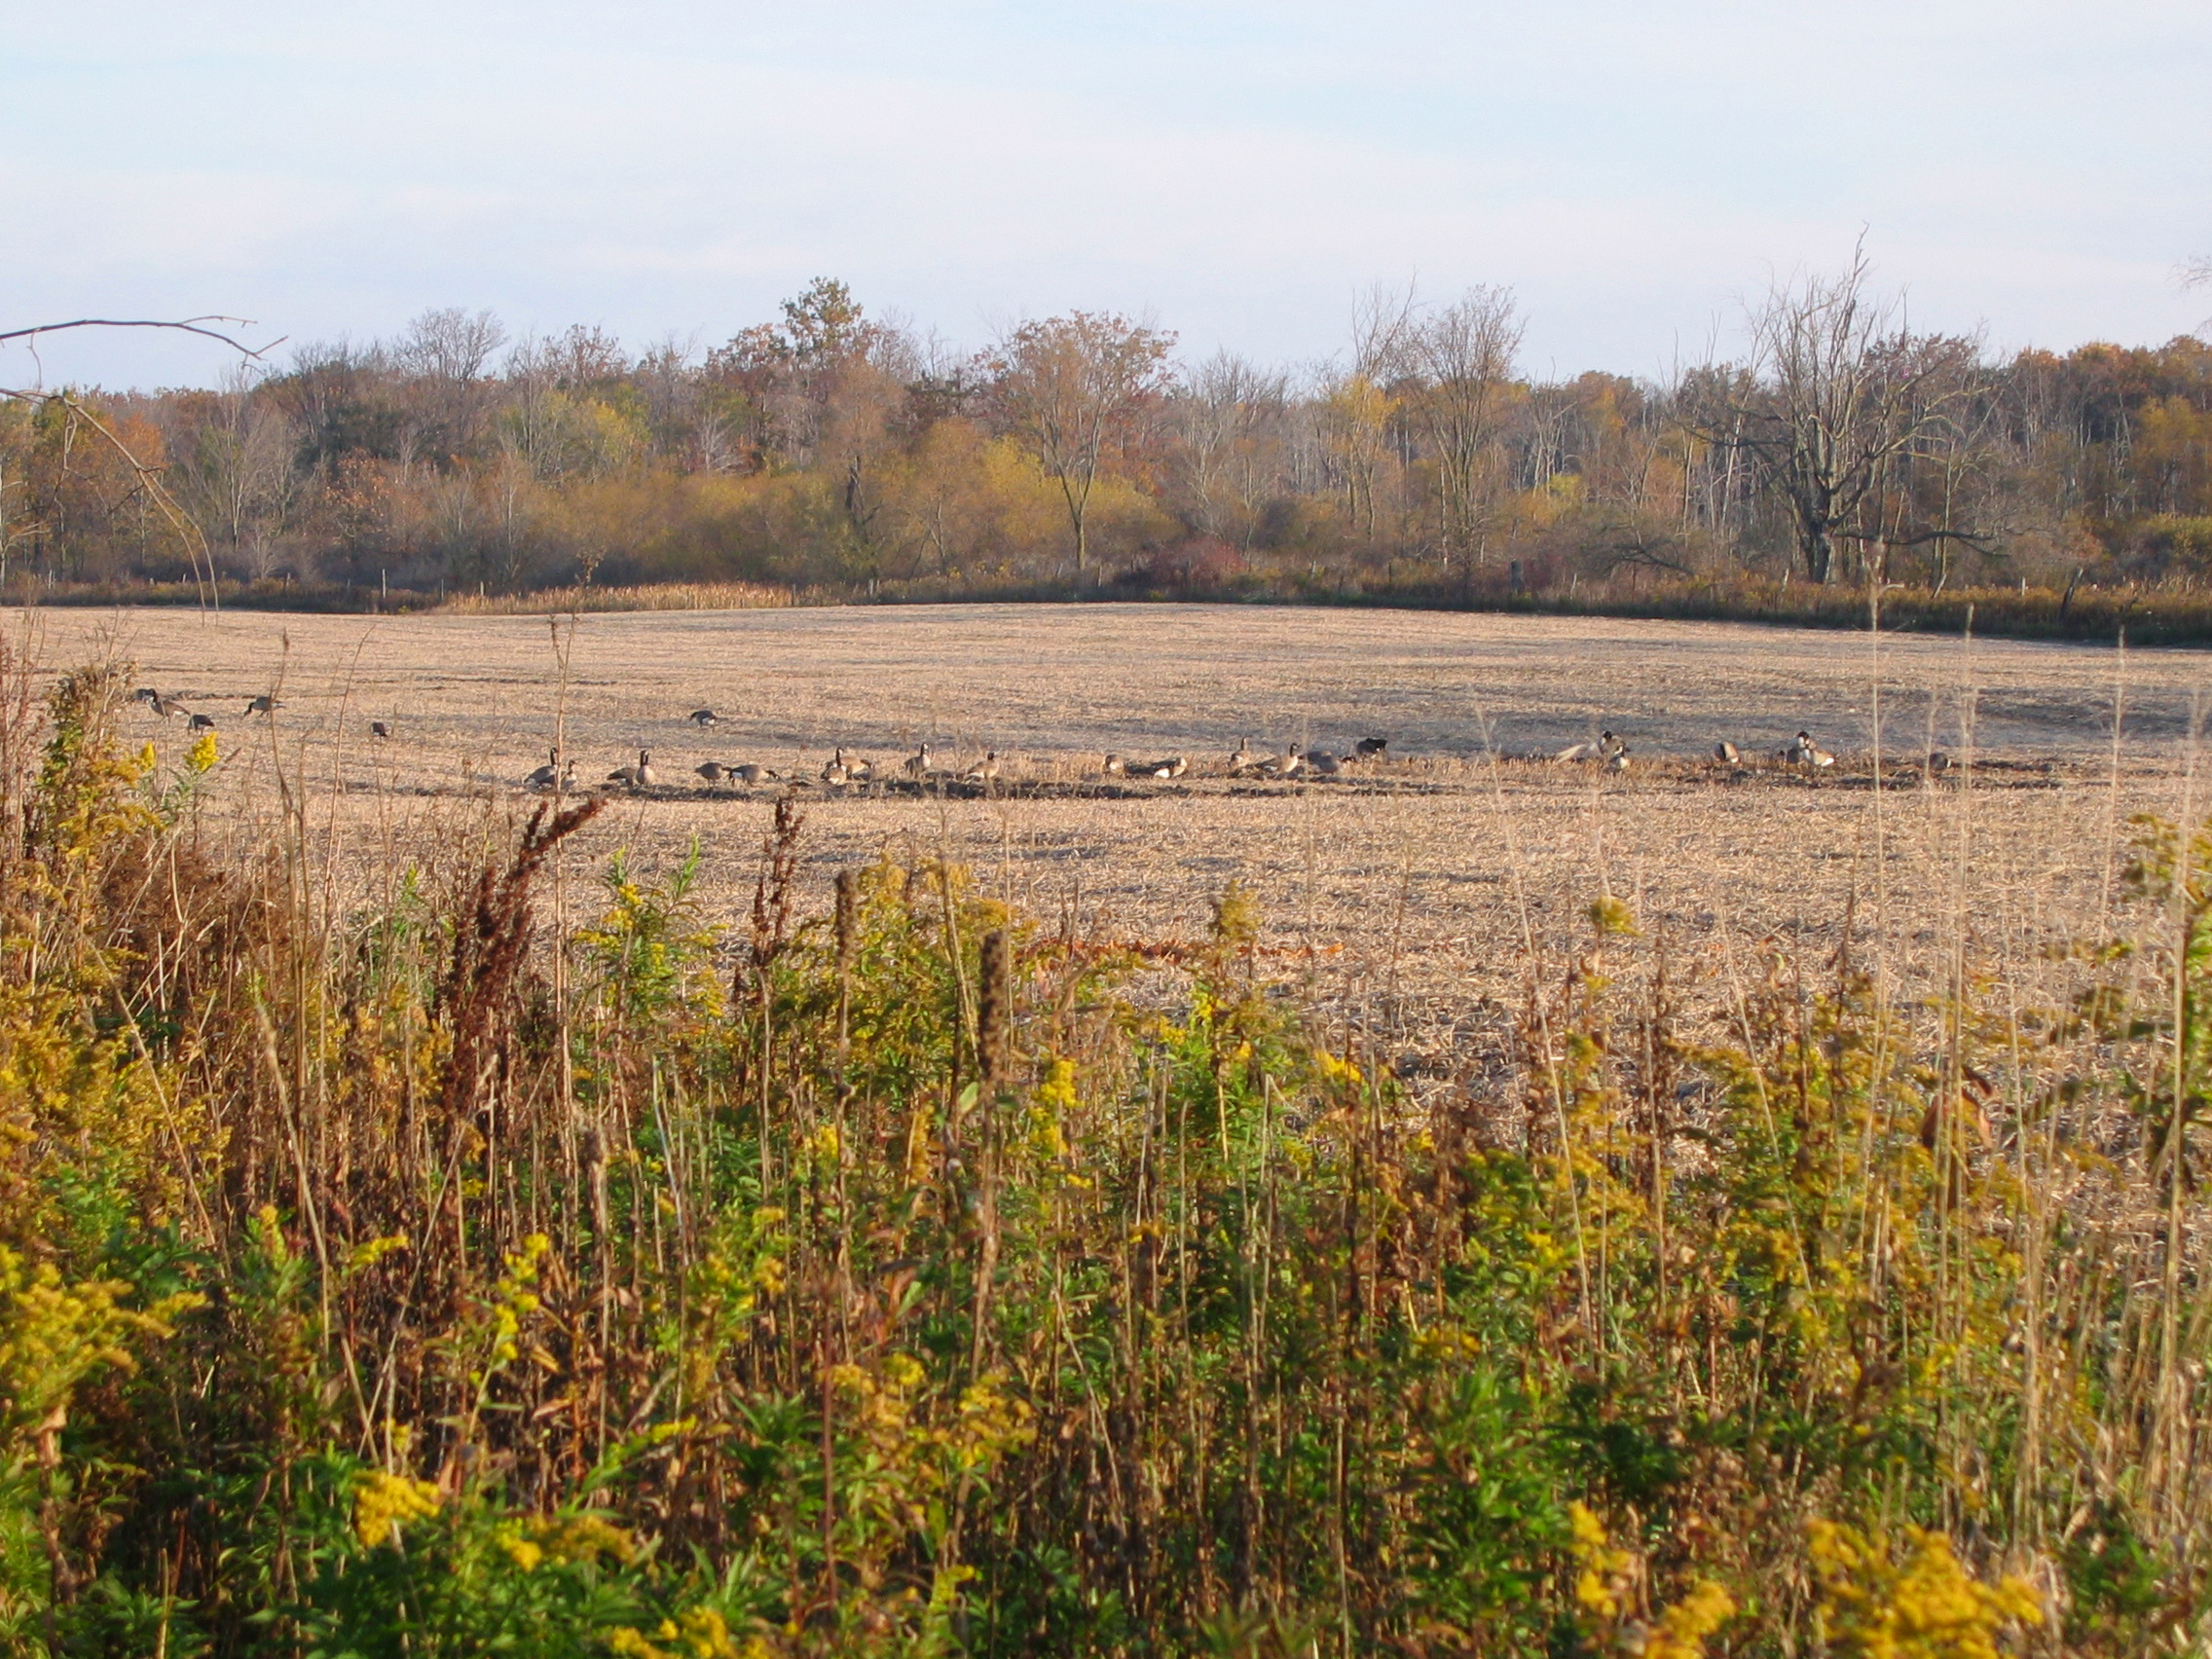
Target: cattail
point(991, 1011)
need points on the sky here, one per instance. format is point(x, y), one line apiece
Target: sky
point(1236, 171)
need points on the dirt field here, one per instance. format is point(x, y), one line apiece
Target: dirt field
point(1406, 891)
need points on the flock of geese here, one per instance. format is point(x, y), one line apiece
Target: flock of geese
point(847, 771)
point(1611, 752)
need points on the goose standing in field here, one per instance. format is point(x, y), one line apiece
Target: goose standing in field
point(1617, 761)
point(1725, 751)
point(1324, 764)
point(161, 705)
point(547, 775)
point(1605, 745)
point(378, 728)
point(984, 771)
point(1288, 764)
point(704, 718)
point(1804, 752)
point(1371, 747)
point(749, 772)
point(1244, 759)
point(200, 723)
point(265, 704)
point(1174, 766)
point(918, 762)
point(1114, 766)
point(836, 774)
point(638, 777)
point(713, 771)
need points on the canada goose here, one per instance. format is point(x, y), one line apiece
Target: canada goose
point(984, 770)
point(1174, 766)
point(1617, 761)
point(637, 777)
point(1243, 760)
point(265, 704)
point(918, 762)
point(751, 773)
point(860, 768)
point(1605, 745)
point(200, 723)
point(1938, 761)
point(547, 775)
point(837, 773)
point(378, 728)
point(1322, 765)
point(704, 718)
point(1804, 752)
point(161, 705)
point(1371, 747)
point(1288, 764)
point(1114, 766)
point(713, 771)
point(1725, 751)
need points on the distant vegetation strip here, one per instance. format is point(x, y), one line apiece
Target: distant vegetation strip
point(830, 453)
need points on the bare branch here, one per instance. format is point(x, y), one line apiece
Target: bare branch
point(188, 325)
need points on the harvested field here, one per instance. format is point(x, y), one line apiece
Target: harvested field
point(1404, 888)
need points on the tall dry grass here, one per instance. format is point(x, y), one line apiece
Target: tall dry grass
point(516, 1262)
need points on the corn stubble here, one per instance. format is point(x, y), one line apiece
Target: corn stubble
point(427, 1276)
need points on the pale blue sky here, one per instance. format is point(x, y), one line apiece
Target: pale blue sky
point(1240, 170)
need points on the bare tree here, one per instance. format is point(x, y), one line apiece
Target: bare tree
point(1072, 388)
point(1842, 396)
point(1466, 353)
point(1226, 413)
point(447, 350)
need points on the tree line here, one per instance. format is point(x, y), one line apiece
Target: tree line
point(833, 449)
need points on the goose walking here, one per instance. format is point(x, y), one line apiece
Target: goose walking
point(1725, 751)
point(751, 772)
point(713, 771)
point(638, 777)
point(200, 723)
point(704, 718)
point(265, 704)
point(1288, 764)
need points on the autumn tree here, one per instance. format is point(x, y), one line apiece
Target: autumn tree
point(1075, 389)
